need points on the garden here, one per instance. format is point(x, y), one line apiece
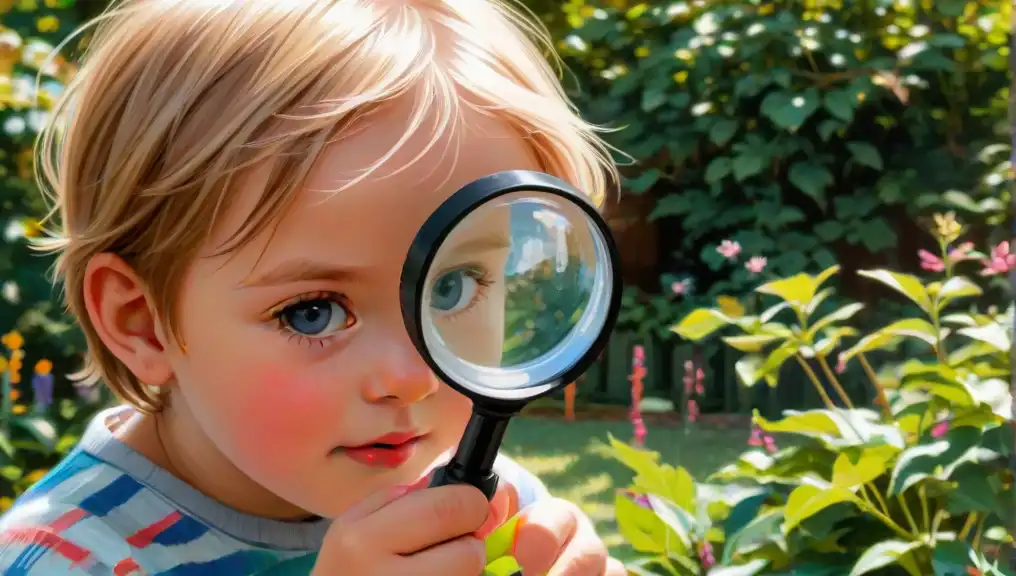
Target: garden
point(812, 370)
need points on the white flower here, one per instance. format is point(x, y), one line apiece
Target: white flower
point(911, 50)
point(756, 29)
point(576, 43)
point(14, 126)
point(37, 119)
point(837, 60)
point(798, 101)
point(725, 51)
point(15, 229)
point(701, 108)
point(841, 34)
point(706, 24)
point(993, 179)
point(919, 30)
point(11, 293)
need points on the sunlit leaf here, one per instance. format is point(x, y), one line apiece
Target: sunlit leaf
point(905, 284)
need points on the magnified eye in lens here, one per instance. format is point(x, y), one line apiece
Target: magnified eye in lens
point(511, 285)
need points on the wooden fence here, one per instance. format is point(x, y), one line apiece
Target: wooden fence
point(607, 381)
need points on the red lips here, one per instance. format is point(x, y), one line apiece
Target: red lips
point(388, 451)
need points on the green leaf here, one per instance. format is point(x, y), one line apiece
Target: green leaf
point(884, 554)
point(641, 527)
point(847, 474)
point(639, 461)
point(751, 342)
point(770, 368)
point(5, 445)
point(747, 369)
point(790, 111)
point(840, 103)
point(909, 286)
point(808, 500)
point(866, 155)
point(652, 99)
point(11, 473)
point(762, 529)
point(992, 334)
point(701, 323)
point(41, 429)
point(843, 313)
point(798, 290)
point(718, 169)
point(876, 234)
point(956, 287)
point(812, 179)
point(676, 518)
point(912, 328)
point(749, 164)
point(722, 131)
point(644, 181)
point(938, 459)
point(827, 128)
point(829, 231)
point(751, 568)
point(839, 428)
point(951, 8)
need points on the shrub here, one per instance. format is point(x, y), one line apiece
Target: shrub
point(917, 485)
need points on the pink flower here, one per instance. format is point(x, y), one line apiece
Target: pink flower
point(705, 554)
point(756, 264)
point(729, 249)
point(693, 411)
point(841, 364)
point(756, 436)
point(961, 252)
point(639, 354)
point(639, 431)
point(680, 287)
point(1001, 260)
point(930, 262)
point(769, 443)
point(939, 430)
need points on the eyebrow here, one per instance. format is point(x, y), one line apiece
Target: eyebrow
point(293, 271)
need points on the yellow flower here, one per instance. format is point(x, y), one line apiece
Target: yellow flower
point(48, 24)
point(12, 340)
point(15, 363)
point(946, 226)
point(43, 367)
point(18, 409)
point(33, 228)
point(6, 503)
point(15, 378)
point(35, 475)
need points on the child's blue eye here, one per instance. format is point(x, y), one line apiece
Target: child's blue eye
point(456, 290)
point(316, 318)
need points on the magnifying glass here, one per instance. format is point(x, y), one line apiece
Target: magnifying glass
point(510, 291)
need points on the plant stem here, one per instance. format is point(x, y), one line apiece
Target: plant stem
point(881, 501)
point(925, 515)
point(886, 520)
point(814, 380)
point(968, 525)
point(906, 512)
point(880, 396)
point(939, 517)
point(976, 545)
point(863, 489)
point(835, 382)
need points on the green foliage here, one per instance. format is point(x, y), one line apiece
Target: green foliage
point(920, 485)
point(804, 130)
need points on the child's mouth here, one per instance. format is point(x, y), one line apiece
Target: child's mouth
point(389, 451)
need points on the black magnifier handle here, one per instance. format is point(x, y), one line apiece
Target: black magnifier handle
point(473, 462)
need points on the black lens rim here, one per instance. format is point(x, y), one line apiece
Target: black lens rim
point(440, 224)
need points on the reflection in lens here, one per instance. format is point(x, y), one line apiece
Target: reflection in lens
point(521, 283)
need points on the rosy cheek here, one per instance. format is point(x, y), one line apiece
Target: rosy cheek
point(282, 407)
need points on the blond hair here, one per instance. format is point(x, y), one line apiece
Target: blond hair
point(174, 98)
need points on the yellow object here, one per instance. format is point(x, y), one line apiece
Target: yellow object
point(14, 395)
point(730, 306)
point(15, 378)
point(3, 364)
point(12, 340)
point(35, 475)
point(43, 367)
point(18, 409)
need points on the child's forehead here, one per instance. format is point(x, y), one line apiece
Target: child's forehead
point(361, 222)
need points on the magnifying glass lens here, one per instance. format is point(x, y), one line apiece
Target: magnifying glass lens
point(516, 293)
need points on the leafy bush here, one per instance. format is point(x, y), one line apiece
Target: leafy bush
point(806, 131)
point(919, 485)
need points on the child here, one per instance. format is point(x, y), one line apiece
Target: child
point(238, 182)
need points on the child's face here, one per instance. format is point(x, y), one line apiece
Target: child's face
point(295, 345)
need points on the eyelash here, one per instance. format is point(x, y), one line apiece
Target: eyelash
point(277, 316)
point(483, 282)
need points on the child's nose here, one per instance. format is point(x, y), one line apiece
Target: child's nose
point(401, 377)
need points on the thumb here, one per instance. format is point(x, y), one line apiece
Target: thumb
point(503, 506)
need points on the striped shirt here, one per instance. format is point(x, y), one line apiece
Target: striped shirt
point(106, 510)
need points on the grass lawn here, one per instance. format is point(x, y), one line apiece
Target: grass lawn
point(563, 455)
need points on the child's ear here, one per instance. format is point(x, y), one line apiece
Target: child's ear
point(124, 318)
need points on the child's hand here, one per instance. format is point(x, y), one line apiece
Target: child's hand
point(423, 532)
point(554, 537)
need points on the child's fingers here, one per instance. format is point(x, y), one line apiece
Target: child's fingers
point(503, 506)
point(543, 532)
